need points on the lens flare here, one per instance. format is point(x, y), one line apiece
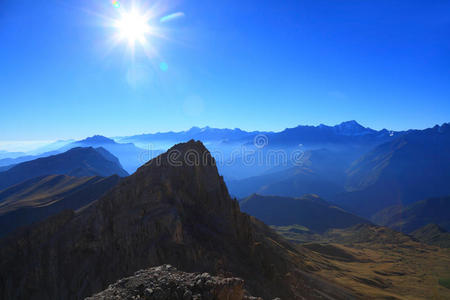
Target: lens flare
point(163, 66)
point(116, 3)
point(171, 17)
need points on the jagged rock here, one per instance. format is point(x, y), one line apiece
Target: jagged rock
point(167, 283)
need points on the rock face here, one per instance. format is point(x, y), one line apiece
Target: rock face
point(175, 209)
point(167, 283)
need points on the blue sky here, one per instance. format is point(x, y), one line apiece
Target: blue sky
point(263, 65)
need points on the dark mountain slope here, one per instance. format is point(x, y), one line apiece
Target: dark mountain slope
point(410, 168)
point(77, 162)
point(41, 197)
point(175, 209)
point(433, 234)
point(309, 211)
point(417, 215)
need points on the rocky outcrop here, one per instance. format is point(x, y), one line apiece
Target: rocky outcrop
point(174, 210)
point(167, 283)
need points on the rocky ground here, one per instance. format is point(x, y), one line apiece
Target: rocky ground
point(166, 282)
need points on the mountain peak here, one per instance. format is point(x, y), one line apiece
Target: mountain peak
point(97, 140)
point(350, 124)
point(352, 128)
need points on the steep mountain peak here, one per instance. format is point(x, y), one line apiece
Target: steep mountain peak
point(351, 123)
point(190, 170)
point(193, 130)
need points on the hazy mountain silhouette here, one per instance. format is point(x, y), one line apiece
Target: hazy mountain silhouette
point(77, 162)
point(292, 182)
point(349, 131)
point(175, 209)
point(130, 156)
point(410, 168)
point(309, 211)
point(205, 134)
point(41, 197)
point(321, 172)
point(8, 162)
point(7, 154)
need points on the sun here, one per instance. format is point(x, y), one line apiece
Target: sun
point(133, 26)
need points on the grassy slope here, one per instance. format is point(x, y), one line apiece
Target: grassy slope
point(379, 263)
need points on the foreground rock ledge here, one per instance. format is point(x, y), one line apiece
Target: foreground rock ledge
point(166, 282)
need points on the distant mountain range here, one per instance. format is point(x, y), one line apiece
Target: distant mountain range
point(309, 211)
point(130, 156)
point(349, 131)
point(410, 168)
point(322, 171)
point(227, 145)
point(41, 197)
point(360, 169)
point(77, 162)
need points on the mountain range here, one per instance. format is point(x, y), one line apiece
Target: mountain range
point(76, 162)
point(410, 168)
point(130, 156)
point(69, 237)
point(168, 211)
point(359, 168)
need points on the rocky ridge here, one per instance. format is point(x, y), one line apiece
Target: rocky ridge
point(166, 282)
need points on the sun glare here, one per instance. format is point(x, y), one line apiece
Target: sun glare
point(133, 26)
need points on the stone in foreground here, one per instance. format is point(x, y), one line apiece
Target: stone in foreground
point(166, 282)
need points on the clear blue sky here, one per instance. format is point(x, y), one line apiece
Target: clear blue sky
point(251, 64)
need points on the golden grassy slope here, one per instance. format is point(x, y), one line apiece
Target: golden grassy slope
point(386, 265)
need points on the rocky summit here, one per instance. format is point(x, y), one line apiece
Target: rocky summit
point(173, 210)
point(167, 283)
